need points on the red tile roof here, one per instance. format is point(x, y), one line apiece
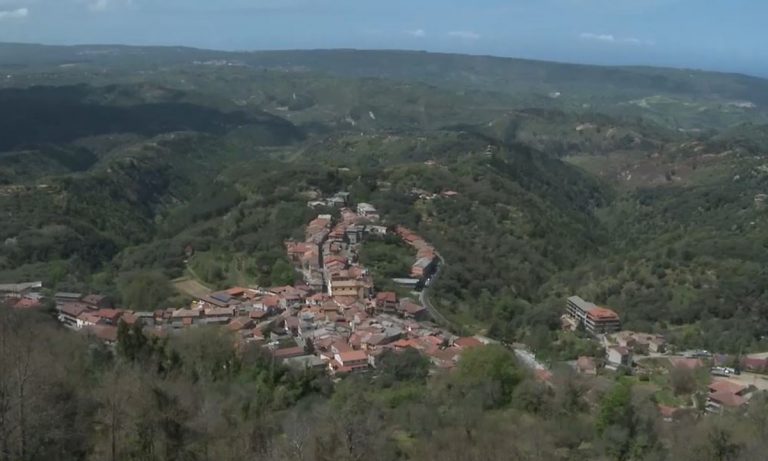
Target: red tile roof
point(73, 310)
point(386, 296)
point(468, 342)
point(722, 385)
point(236, 291)
point(271, 301)
point(602, 313)
point(27, 303)
point(352, 356)
point(240, 323)
point(113, 315)
point(727, 399)
point(289, 352)
point(752, 363)
point(258, 314)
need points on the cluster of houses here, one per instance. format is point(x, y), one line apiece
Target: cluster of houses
point(621, 348)
point(426, 260)
point(346, 316)
point(25, 295)
point(335, 319)
point(346, 336)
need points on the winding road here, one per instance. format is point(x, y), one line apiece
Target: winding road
point(424, 298)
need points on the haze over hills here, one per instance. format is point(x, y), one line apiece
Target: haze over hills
point(124, 169)
point(677, 94)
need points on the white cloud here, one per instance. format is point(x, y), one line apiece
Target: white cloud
point(610, 38)
point(464, 34)
point(104, 5)
point(419, 33)
point(600, 37)
point(19, 13)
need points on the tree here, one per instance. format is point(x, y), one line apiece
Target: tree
point(144, 290)
point(615, 408)
point(492, 368)
point(683, 380)
point(117, 398)
point(397, 367)
point(282, 273)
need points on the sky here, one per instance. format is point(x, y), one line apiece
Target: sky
point(725, 35)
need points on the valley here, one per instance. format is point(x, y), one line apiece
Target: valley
point(384, 217)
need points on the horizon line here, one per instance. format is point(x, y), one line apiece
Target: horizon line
point(393, 50)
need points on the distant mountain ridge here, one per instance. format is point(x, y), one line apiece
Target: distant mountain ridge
point(400, 64)
point(683, 98)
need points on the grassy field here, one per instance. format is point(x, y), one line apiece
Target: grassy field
point(191, 287)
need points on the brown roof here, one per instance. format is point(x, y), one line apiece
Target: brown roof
point(110, 314)
point(271, 301)
point(236, 291)
point(411, 307)
point(73, 310)
point(27, 303)
point(184, 313)
point(468, 342)
point(353, 356)
point(753, 363)
point(289, 352)
point(240, 323)
point(257, 314)
point(94, 299)
point(386, 296)
point(727, 399)
point(602, 313)
point(220, 312)
point(722, 385)
point(89, 317)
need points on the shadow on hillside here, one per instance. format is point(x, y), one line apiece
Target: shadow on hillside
point(51, 115)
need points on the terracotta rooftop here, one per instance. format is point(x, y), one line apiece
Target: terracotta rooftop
point(602, 313)
point(468, 342)
point(353, 356)
point(722, 385)
point(386, 296)
point(727, 399)
point(288, 352)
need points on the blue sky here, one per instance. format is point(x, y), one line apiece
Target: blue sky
point(728, 35)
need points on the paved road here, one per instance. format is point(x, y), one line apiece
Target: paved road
point(424, 296)
point(529, 359)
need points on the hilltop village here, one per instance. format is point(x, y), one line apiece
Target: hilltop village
point(337, 320)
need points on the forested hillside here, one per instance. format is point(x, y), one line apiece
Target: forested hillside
point(123, 169)
point(149, 153)
point(190, 397)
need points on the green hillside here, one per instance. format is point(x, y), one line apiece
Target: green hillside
point(680, 98)
point(115, 161)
